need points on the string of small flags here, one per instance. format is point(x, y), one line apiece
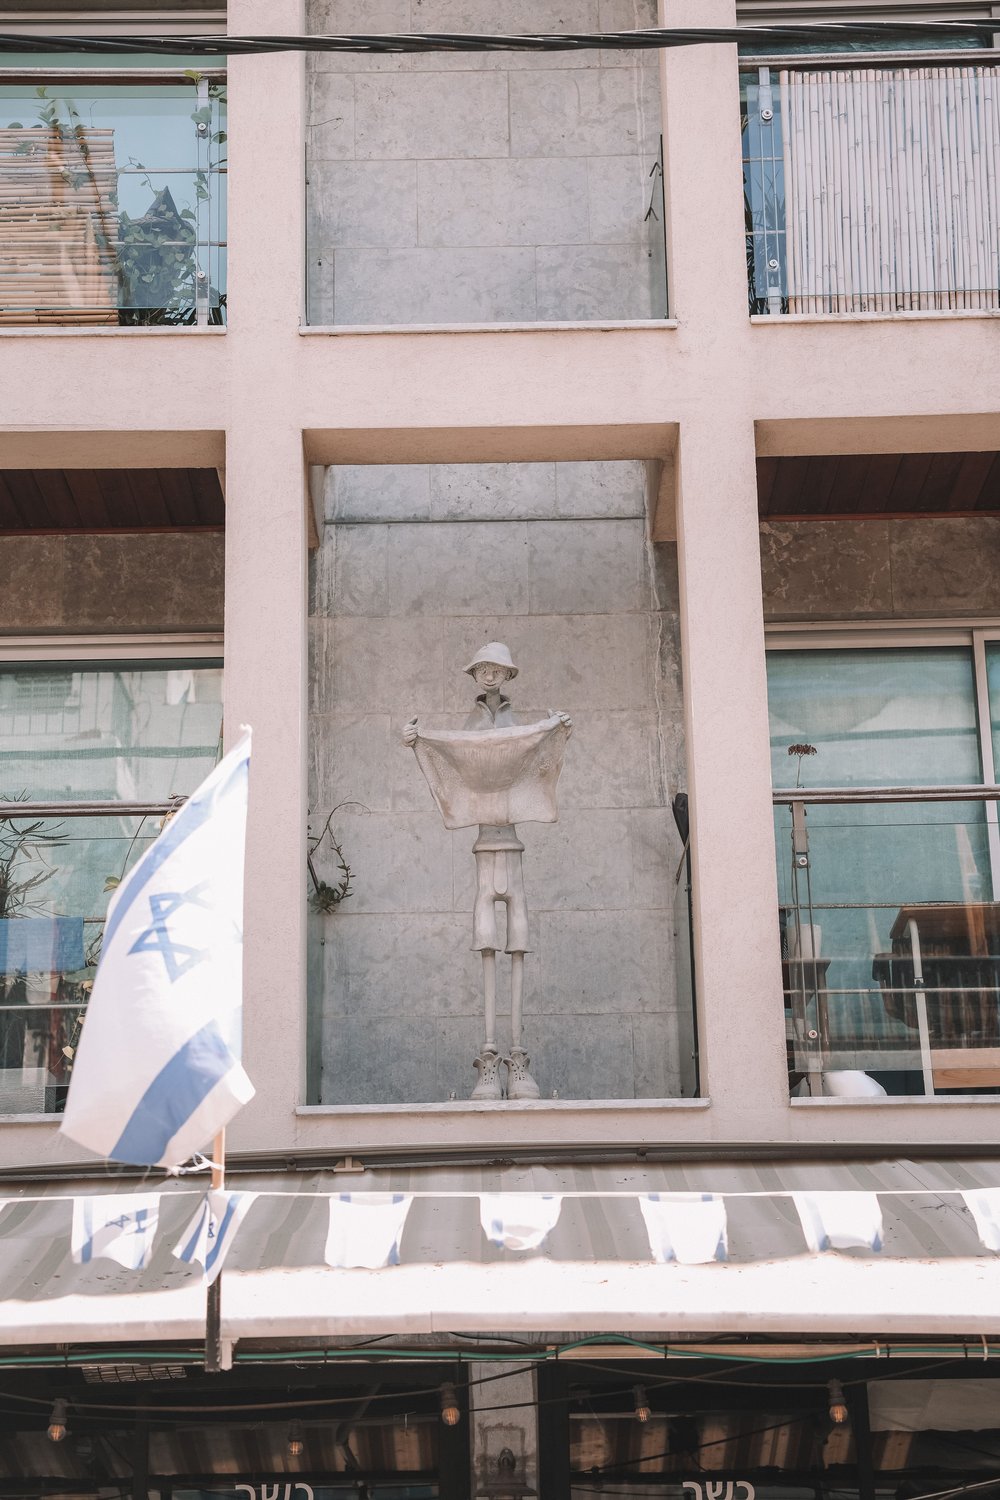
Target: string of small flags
point(365, 1229)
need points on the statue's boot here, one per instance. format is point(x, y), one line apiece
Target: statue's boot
point(487, 1064)
point(520, 1084)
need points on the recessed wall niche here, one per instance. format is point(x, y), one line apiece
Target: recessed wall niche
point(419, 567)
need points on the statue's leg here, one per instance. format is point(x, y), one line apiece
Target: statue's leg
point(490, 997)
point(520, 1084)
point(485, 941)
point(516, 997)
point(487, 1064)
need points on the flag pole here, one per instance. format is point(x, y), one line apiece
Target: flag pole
point(213, 1308)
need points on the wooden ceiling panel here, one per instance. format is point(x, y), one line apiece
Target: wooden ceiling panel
point(878, 485)
point(81, 500)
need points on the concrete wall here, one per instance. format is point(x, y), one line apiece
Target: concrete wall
point(483, 188)
point(841, 570)
point(127, 582)
point(420, 566)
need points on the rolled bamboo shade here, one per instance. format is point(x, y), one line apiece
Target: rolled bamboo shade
point(58, 226)
point(892, 188)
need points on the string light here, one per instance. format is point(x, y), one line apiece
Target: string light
point(838, 1403)
point(450, 1414)
point(296, 1444)
point(57, 1421)
point(642, 1412)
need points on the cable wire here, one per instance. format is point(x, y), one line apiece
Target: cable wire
point(875, 32)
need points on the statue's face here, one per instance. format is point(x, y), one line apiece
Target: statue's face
point(488, 674)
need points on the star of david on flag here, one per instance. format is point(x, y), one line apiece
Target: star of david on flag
point(209, 1236)
point(157, 1071)
point(116, 1227)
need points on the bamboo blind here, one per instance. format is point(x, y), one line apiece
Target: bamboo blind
point(892, 188)
point(58, 226)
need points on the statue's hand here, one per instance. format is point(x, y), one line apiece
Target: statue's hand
point(410, 732)
point(563, 719)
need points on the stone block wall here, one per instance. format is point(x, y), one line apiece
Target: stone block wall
point(490, 187)
point(126, 581)
point(930, 567)
point(420, 566)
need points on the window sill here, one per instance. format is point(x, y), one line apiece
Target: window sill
point(64, 331)
point(477, 1108)
point(897, 1101)
point(963, 314)
point(339, 330)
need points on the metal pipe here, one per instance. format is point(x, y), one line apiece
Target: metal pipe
point(18, 810)
point(923, 1030)
point(787, 796)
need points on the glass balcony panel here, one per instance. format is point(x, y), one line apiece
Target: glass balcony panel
point(112, 203)
point(890, 947)
point(133, 731)
point(56, 878)
point(875, 187)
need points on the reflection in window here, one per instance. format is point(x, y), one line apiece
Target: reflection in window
point(874, 896)
point(131, 732)
point(126, 732)
point(114, 202)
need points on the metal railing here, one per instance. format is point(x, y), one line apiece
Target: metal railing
point(872, 186)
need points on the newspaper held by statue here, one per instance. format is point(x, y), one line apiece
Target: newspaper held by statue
point(496, 776)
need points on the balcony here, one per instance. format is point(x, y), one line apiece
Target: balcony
point(112, 202)
point(872, 189)
point(890, 940)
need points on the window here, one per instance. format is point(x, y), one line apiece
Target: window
point(890, 935)
point(113, 197)
point(139, 730)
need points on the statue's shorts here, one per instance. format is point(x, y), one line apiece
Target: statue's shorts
point(499, 878)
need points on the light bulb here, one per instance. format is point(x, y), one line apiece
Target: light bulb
point(450, 1414)
point(57, 1421)
point(838, 1405)
point(296, 1445)
point(642, 1412)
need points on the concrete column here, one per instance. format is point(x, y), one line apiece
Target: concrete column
point(266, 520)
point(737, 960)
point(503, 1415)
point(702, 171)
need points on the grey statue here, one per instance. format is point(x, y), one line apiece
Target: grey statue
point(493, 773)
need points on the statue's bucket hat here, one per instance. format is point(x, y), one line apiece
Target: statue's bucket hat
point(497, 654)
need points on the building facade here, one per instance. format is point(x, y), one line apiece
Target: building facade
point(675, 371)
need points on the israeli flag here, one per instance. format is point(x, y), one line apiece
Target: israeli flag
point(209, 1237)
point(365, 1229)
point(690, 1228)
point(984, 1206)
point(840, 1220)
point(116, 1226)
point(157, 1072)
point(519, 1221)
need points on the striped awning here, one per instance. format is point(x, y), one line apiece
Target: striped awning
point(594, 1273)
